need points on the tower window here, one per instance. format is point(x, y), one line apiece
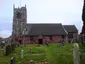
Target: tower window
point(18, 15)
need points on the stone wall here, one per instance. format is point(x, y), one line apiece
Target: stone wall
point(50, 39)
point(34, 39)
point(74, 37)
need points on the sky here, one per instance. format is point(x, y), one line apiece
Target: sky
point(67, 12)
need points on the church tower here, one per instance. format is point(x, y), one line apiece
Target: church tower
point(19, 20)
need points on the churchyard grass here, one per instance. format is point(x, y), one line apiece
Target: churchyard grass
point(82, 49)
point(27, 55)
point(54, 53)
point(59, 54)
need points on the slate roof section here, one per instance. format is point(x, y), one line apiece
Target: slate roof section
point(45, 29)
point(70, 28)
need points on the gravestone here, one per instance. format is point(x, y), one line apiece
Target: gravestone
point(22, 53)
point(8, 50)
point(31, 61)
point(59, 44)
point(2, 44)
point(13, 60)
point(13, 47)
point(30, 50)
point(76, 54)
point(2, 52)
point(62, 43)
point(47, 43)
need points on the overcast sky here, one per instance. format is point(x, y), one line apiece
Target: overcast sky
point(42, 11)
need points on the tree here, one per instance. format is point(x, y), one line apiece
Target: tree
point(83, 19)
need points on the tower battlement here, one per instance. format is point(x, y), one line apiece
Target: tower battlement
point(19, 20)
point(23, 7)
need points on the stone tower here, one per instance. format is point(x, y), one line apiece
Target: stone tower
point(19, 20)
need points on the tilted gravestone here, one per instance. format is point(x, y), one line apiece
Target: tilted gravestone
point(13, 60)
point(76, 53)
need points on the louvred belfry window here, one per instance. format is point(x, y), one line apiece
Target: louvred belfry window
point(18, 15)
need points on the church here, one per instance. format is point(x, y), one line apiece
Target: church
point(26, 33)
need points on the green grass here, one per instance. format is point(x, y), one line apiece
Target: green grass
point(59, 55)
point(27, 56)
point(54, 54)
point(82, 50)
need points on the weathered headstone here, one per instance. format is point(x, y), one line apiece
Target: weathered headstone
point(46, 43)
point(2, 52)
point(8, 50)
point(22, 53)
point(30, 50)
point(59, 44)
point(31, 61)
point(2, 44)
point(13, 60)
point(62, 42)
point(76, 54)
point(13, 47)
